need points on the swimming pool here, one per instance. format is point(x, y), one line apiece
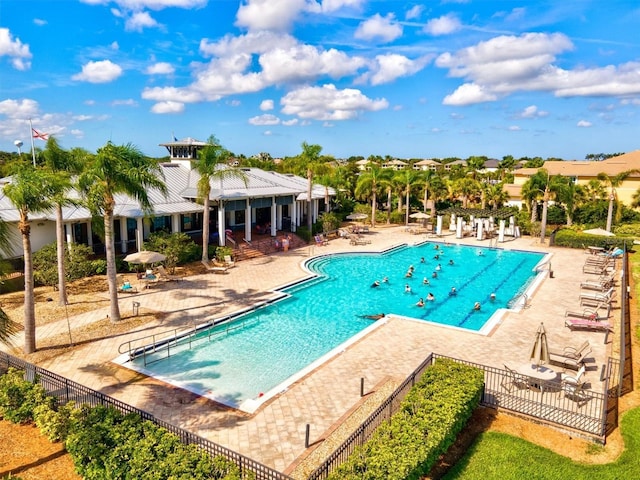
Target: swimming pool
point(279, 342)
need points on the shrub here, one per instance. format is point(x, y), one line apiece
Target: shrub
point(19, 397)
point(426, 425)
point(572, 239)
point(78, 263)
point(54, 423)
point(178, 247)
point(303, 233)
point(631, 229)
point(221, 252)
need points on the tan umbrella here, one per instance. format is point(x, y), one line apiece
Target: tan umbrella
point(599, 231)
point(420, 215)
point(145, 256)
point(357, 216)
point(540, 350)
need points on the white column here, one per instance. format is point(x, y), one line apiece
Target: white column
point(274, 219)
point(480, 228)
point(175, 223)
point(452, 222)
point(123, 235)
point(89, 235)
point(501, 231)
point(439, 225)
point(294, 216)
point(248, 220)
point(222, 238)
point(459, 227)
point(278, 217)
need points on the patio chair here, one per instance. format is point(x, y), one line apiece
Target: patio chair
point(124, 286)
point(575, 379)
point(603, 284)
point(570, 352)
point(590, 313)
point(214, 268)
point(320, 240)
point(228, 262)
point(166, 276)
point(576, 392)
point(514, 379)
point(596, 298)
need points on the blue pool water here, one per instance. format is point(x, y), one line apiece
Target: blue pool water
point(280, 339)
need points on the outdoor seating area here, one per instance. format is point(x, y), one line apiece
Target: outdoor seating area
point(210, 267)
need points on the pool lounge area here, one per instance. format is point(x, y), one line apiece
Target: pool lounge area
point(275, 433)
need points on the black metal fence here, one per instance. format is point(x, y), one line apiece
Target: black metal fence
point(65, 390)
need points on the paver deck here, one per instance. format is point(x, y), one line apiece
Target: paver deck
point(275, 433)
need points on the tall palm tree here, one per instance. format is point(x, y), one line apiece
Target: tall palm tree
point(613, 182)
point(31, 191)
point(407, 178)
point(467, 188)
point(309, 158)
point(368, 186)
point(496, 195)
point(59, 160)
point(118, 169)
point(533, 190)
point(212, 164)
point(7, 326)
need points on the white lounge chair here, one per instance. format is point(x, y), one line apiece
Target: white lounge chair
point(166, 276)
point(215, 268)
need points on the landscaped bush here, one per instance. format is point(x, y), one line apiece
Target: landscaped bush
point(569, 238)
point(78, 263)
point(19, 397)
point(55, 423)
point(330, 221)
point(178, 247)
point(631, 230)
point(426, 425)
point(105, 444)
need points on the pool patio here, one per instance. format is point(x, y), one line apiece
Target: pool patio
point(275, 434)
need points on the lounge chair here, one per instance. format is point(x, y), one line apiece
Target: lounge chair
point(166, 276)
point(320, 240)
point(571, 352)
point(214, 268)
point(572, 362)
point(590, 313)
point(590, 325)
point(575, 379)
point(596, 298)
point(124, 286)
point(228, 262)
point(513, 379)
point(603, 284)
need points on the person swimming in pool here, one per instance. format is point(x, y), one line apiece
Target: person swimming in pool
point(420, 303)
point(476, 306)
point(431, 297)
point(377, 316)
point(451, 262)
point(425, 281)
point(453, 292)
point(407, 288)
point(434, 275)
point(385, 280)
point(492, 297)
point(438, 267)
point(421, 259)
point(375, 284)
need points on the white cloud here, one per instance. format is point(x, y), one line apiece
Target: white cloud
point(128, 102)
point(514, 128)
point(103, 71)
point(14, 49)
point(82, 118)
point(532, 112)
point(414, 12)
point(443, 25)
point(333, 5)
point(329, 103)
point(168, 107)
point(160, 68)
point(138, 21)
point(252, 42)
point(391, 66)
point(468, 94)
point(584, 124)
point(290, 123)
point(266, 105)
point(151, 4)
point(17, 109)
point(40, 22)
point(266, 119)
point(171, 94)
point(383, 28)
point(306, 62)
point(275, 15)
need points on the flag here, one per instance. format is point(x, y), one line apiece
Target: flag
point(175, 139)
point(41, 136)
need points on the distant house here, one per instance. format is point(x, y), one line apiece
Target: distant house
point(427, 165)
point(394, 164)
point(268, 198)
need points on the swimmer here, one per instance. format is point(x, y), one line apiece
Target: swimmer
point(431, 297)
point(434, 275)
point(421, 259)
point(480, 253)
point(375, 284)
point(438, 268)
point(425, 281)
point(450, 262)
point(436, 247)
point(377, 316)
point(492, 297)
point(436, 257)
point(409, 274)
point(407, 288)
point(453, 292)
point(476, 306)
point(420, 303)
point(411, 268)
point(385, 280)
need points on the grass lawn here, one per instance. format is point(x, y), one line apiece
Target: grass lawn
point(500, 456)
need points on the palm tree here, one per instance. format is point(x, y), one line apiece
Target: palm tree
point(31, 191)
point(118, 169)
point(7, 326)
point(407, 178)
point(613, 182)
point(59, 160)
point(369, 183)
point(465, 187)
point(542, 184)
point(212, 164)
point(496, 195)
point(533, 190)
point(309, 157)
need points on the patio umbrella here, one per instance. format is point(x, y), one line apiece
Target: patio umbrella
point(420, 215)
point(540, 350)
point(145, 256)
point(357, 216)
point(599, 231)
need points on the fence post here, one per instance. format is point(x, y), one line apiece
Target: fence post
point(306, 436)
point(362, 386)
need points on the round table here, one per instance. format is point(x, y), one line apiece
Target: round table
point(537, 375)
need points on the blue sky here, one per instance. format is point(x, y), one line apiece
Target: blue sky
point(407, 79)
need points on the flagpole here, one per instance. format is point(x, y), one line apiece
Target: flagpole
point(33, 147)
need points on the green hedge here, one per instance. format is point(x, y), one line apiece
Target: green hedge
point(105, 444)
point(569, 238)
point(426, 425)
